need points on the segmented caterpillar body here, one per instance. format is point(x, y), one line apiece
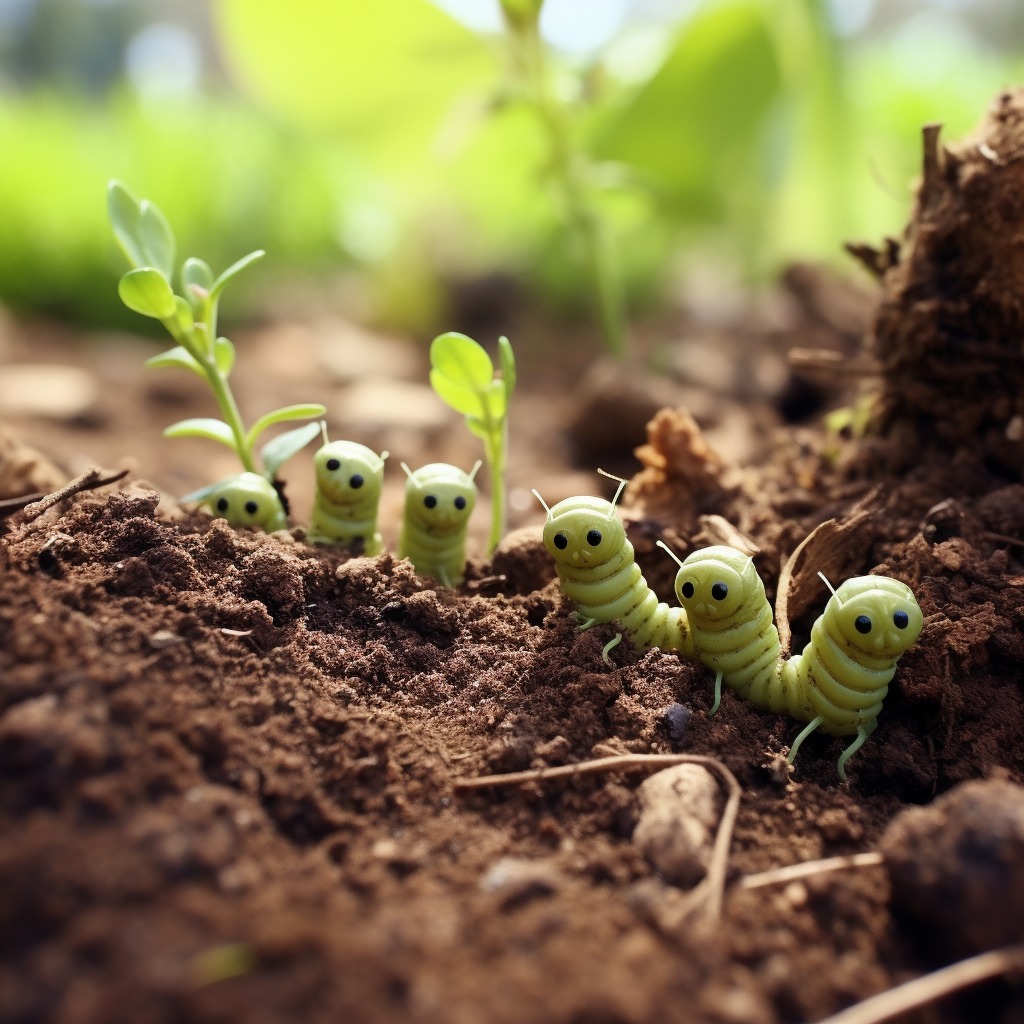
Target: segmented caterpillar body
point(247, 499)
point(596, 568)
point(438, 502)
point(838, 683)
point(349, 478)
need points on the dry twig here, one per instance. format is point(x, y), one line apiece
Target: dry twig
point(88, 481)
point(926, 989)
point(811, 867)
point(707, 896)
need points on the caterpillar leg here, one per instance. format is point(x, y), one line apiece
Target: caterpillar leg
point(718, 694)
point(608, 646)
point(804, 733)
point(862, 735)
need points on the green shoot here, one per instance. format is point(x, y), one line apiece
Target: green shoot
point(463, 376)
point(191, 318)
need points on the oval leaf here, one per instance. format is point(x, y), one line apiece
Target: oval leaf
point(236, 268)
point(157, 238)
point(461, 360)
point(147, 292)
point(123, 209)
point(196, 272)
point(224, 355)
point(290, 412)
point(465, 400)
point(215, 430)
point(177, 358)
point(277, 452)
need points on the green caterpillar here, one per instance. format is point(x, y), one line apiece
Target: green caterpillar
point(595, 565)
point(244, 500)
point(349, 479)
point(438, 502)
point(838, 683)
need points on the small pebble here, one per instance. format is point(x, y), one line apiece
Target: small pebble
point(517, 880)
point(957, 866)
point(677, 720)
point(678, 820)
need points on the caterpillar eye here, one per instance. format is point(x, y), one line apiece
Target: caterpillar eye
point(251, 507)
point(222, 504)
point(332, 464)
point(900, 620)
point(430, 501)
point(687, 589)
point(863, 623)
point(561, 541)
point(719, 591)
point(460, 502)
point(355, 481)
point(594, 538)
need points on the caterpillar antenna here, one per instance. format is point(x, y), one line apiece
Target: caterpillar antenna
point(675, 558)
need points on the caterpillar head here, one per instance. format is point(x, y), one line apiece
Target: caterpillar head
point(713, 583)
point(439, 497)
point(876, 614)
point(583, 531)
point(247, 500)
point(346, 472)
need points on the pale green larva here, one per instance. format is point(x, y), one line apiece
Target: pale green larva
point(595, 565)
point(349, 478)
point(838, 683)
point(247, 500)
point(438, 501)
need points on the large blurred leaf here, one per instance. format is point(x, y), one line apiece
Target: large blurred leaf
point(386, 69)
point(699, 116)
point(141, 229)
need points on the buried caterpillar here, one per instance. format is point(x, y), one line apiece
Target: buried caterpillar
point(438, 501)
point(595, 565)
point(349, 479)
point(838, 683)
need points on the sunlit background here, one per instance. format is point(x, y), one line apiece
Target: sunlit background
point(384, 149)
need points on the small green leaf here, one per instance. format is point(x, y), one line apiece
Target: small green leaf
point(157, 238)
point(147, 292)
point(182, 315)
point(224, 355)
point(494, 396)
point(461, 360)
point(195, 271)
point(235, 268)
point(277, 452)
point(141, 229)
point(461, 399)
point(177, 358)
point(290, 412)
point(215, 430)
point(508, 367)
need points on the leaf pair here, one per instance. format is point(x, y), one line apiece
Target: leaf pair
point(276, 452)
point(463, 376)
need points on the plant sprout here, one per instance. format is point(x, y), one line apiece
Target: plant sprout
point(191, 318)
point(463, 375)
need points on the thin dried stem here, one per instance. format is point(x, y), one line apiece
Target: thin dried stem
point(930, 987)
point(706, 898)
point(776, 876)
point(88, 481)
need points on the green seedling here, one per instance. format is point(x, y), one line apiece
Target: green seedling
point(463, 375)
point(191, 319)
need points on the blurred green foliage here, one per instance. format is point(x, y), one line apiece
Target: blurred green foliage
point(388, 137)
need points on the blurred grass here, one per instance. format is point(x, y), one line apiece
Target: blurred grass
point(387, 137)
point(228, 178)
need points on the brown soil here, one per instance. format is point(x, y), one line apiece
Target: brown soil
point(227, 760)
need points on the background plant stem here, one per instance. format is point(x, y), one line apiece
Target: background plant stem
point(570, 171)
